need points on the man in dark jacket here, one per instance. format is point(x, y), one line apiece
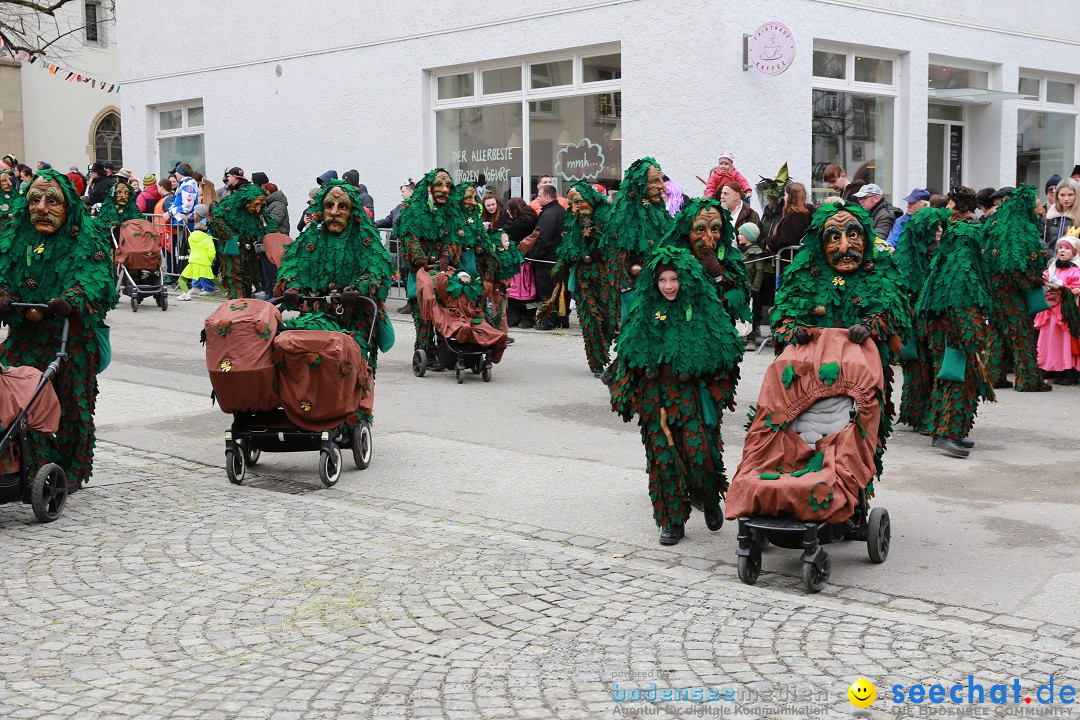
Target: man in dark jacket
point(100, 184)
point(882, 214)
point(550, 226)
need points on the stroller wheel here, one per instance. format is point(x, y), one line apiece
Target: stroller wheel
point(235, 466)
point(878, 535)
point(419, 363)
point(134, 303)
point(330, 466)
point(163, 301)
point(251, 455)
point(48, 492)
point(749, 566)
point(486, 374)
point(361, 446)
point(460, 375)
point(815, 574)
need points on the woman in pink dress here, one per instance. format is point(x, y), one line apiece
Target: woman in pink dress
point(1059, 351)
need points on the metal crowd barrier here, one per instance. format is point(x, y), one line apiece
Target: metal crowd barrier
point(781, 260)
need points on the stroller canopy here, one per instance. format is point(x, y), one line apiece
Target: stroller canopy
point(139, 247)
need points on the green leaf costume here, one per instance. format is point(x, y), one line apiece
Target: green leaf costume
point(636, 224)
point(112, 215)
point(676, 368)
point(236, 232)
point(813, 294)
point(912, 257)
point(74, 263)
point(950, 312)
point(584, 260)
point(731, 284)
point(1013, 256)
point(427, 233)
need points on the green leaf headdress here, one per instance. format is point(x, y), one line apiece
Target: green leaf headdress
point(912, 256)
point(1012, 245)
point(637, 224)
point(419, 214)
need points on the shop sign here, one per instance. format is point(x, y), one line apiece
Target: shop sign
point(581, 161)
point(492, 162)
point(771, 49)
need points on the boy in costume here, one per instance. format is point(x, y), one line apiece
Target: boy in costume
point(584, 263)
point(237, 225)
point(53, 252)
point(842, 279)
point(951, 312)
point(637, 221)
point(1013, 256)
point(428, 236)
point(676, 368)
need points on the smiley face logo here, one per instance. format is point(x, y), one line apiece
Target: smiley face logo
point(862, 693)
point(226, 366)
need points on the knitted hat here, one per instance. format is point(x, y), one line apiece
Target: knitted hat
point(149, 179)
point(202, 211)
point(1052, 182)
point(259, 178)
point(124, 174)
point(729, 156)
point(750, 231)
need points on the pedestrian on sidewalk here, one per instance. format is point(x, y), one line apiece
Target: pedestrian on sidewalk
point(200, 259)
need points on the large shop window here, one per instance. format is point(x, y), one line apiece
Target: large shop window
point(854, 107)
point(180, 136)
point(1046, 129)
point(514, 122)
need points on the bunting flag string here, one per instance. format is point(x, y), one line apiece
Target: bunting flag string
point(71, 76)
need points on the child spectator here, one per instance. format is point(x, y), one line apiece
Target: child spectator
point(758, 275)
point(199, 268)
point(725, 172)
point(1059, 348)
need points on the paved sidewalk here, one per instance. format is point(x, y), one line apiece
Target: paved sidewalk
point(171, 593)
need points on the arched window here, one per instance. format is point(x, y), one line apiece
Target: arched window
point(107, 140)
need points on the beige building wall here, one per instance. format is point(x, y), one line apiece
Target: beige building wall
point(11, 109)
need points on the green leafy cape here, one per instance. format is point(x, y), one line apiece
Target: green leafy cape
point(575, 245)
point(419, 214)
point(735, 289)
point(1012, 245)
point(111, 214)
point(912, 256)
point(468, 227)
point(813, 294)
point(957, 284)
point(635, 224)
point(693, 333)
point(320, 262)
point(230, 219)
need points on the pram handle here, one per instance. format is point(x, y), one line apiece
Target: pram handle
point(49, 371)
point(335, 299)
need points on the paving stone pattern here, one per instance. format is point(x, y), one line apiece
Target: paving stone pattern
point(178, 595)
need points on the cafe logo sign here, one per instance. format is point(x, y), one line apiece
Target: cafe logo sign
point(582, 161)
point(771, 49)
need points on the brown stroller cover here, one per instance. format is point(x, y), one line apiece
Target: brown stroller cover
point(324, 378)
point(274, 247)
point(239, 345)
point(17, 386)
point(139, 247)
point(457, 317)
point(780, 472)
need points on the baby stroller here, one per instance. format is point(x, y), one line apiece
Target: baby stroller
point(810, 457)
point(460, 336)
point(139, 262)
point(289, 392)
point(28, 402)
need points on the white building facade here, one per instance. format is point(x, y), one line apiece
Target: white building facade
point(46, 117)
point(967, 92)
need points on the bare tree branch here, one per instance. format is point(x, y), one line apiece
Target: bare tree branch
point(34, 26)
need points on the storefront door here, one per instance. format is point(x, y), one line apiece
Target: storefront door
point(944, 147)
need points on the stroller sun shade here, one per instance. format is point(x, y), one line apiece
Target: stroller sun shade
point(139, 247)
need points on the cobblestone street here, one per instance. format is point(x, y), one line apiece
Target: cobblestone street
point(171, 593)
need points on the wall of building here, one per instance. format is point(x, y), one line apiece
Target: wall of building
point(60, 116)
point(287, 100)
point(11, 112)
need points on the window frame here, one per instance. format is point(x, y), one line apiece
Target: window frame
point(526, 95)
point(852, 87)
point(185, 129)
point(102, 34)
